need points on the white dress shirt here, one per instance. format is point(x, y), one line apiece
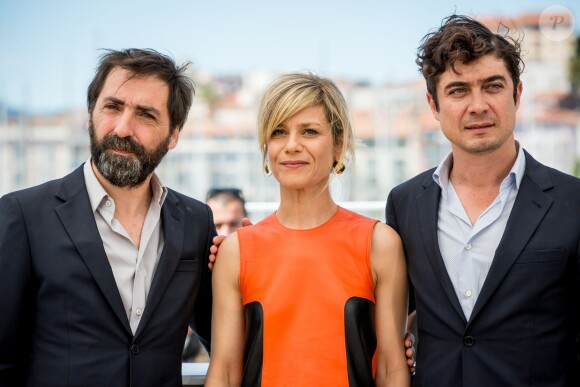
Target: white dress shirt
point(133, 268)
point(468, 250)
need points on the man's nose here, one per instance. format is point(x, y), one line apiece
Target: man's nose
point(478, 103)
point(124, 127)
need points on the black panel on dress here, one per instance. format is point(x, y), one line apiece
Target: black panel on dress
point(361, 341)
point(254, 347)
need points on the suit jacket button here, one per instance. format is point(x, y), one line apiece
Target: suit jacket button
point(134, 349)
point(469, 341)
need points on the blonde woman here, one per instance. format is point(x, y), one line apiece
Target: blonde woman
point(313, 295)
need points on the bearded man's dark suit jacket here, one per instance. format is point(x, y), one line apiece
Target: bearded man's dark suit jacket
point(62, 319)
point(524, 328)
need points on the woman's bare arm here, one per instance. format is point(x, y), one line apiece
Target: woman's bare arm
point(390, 274)
point(225, 367)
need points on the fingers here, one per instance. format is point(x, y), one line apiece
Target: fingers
point(213, 250)
point(410, 352)
point(217, 241)
point(409, 340)
point(246, 222)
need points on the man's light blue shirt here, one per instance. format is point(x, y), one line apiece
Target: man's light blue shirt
point(468, 250)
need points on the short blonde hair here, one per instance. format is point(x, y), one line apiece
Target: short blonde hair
point(289, 94)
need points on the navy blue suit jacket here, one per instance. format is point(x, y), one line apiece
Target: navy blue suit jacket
point(524, 328)
point(62, 319)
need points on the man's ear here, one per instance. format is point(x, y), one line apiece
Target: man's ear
point(519, 90)
point(432, 105)
point(174, 139)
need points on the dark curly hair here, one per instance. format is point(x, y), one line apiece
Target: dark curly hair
point(148, 62)
point(461, 38)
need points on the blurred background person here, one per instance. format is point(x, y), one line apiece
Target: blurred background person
point(229, 209)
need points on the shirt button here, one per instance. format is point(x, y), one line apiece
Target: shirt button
point(134, 349)
point(138, 312)
point(468, 247)
point(469, 341)
point(468, 293)
point(108, 203)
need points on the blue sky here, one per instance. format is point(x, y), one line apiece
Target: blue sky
point(49, 48)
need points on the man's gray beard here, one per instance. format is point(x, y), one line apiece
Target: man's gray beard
point(124, 171)
point(121, 171)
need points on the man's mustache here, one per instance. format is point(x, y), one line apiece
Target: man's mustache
point(126, 144)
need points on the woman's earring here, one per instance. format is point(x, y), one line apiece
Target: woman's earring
point(339, 170)
point(267, 170)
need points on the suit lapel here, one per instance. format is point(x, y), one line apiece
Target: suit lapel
point(529, 209)
point(77, 217)
point(428, 213)
point(173, 230)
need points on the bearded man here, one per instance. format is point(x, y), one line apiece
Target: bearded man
point(102, 271)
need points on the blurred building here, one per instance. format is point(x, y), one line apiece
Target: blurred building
point(397, 136)
point(34, 149)
point(549, 132)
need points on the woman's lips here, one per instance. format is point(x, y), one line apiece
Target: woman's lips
point(293, 163)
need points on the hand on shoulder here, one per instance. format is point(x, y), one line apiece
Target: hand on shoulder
point(217, 241)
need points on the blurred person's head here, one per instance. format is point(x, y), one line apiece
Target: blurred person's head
point(296, 93)
point(136, 101)
point(462, 40)
point(228, 208)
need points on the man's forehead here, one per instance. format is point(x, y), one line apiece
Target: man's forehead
point(120, 80)
point(225, 206)
point(476, 70)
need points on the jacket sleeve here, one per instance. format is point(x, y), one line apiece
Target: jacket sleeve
point(578, 304)
point(391, 218)
point(16, 293)
point(201, 319)
point(390, 213)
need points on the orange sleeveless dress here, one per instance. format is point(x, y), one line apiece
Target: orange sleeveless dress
point(308, 297)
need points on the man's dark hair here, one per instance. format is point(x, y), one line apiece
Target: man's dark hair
point(226, 195)
point(461, 38)
point(147, 62)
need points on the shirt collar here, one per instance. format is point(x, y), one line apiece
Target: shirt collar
point(159, 190)
point(519, 168)
point(441, 174)
point(516, 174)
point(97, 193)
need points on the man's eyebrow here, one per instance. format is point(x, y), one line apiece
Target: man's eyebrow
point(115, 100)
point(148, 109)
point(483, 81)
point(493, 78)
point(455, 84)
point(144, 108)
